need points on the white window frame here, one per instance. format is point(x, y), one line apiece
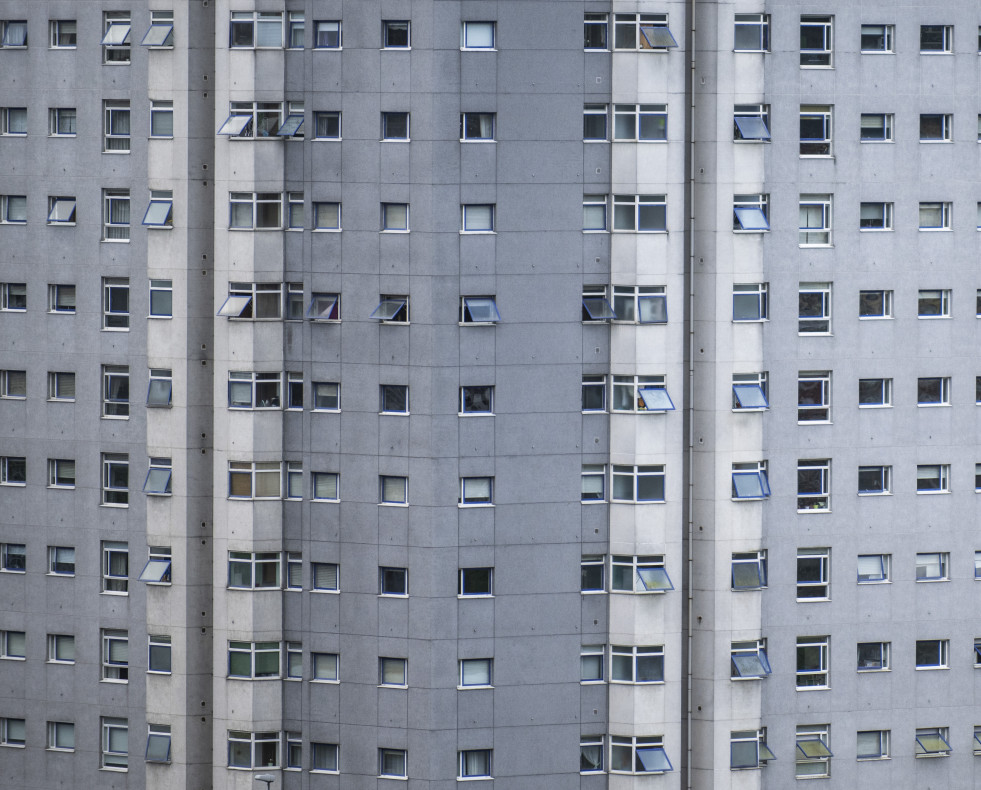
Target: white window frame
point(112, 582)
point(113, 757)
point(391, 578)
point(321, 393)
point(391, 30)
point(159, 212)
point(818, 500)
point(867, 565)
point(884, 385)
point(876, 121)
point(325, 577)
point(475, 582)
point(642, 32)
point(113, 495)
point(324, 667)
point(756, 740)
point(13, 121)
point(938, 212)
point(639, 575)
point(878, 480)
point(393, 490)
point(636, 751)
point(61, 473)
point(813, 397)
point(392, 763)
point(324, 758)
point(932, 742)
point(637, 475)
point(258, 745)
point(323, 121)
point(875, 305)
point(812, 673)
point(159, 110)
point(116, 42)
point(644, 664)
point(325, 486)
point(272, 380)
point(813, 322)
point(59, 118)
point(252, 21)
point(933, 391)
point(755, 297)
point(640, 123)
point(393, 672)
point(813, 586)
point(815, 220)
point(115, 384)
point(752, 23)
point(255, 201)
point(60, 734)
point(872, 35)
point(13, 297)
point(58, 562)
point(941, 650)
point(750, 481)
point(158, 647)
point(640, 304)
point(264, 570)
point(943, 131)
point(754, 577)
point(13, 384)
point(13, 647)
point(478, 218)
point(395, 217)
point(13, 558)
point(640, 213)
point(158, 744)
point(478, 35)
point(875, 217)
point(644, 394)
point(328, 34)
point(750, 391)
point(115, 655)
point(477, 400)
point(116, 114)
point(476, 491)
point(61, 211)
point(751, 123)
point(813, 753)
point(159, 477)
point(476, 764)
point(750, 213)
point(256, 471)
point(391, 126)
point(62, 34)
point(821, 116)
point(876, 658)
point(822, 56)
point(478, 127)
point(255, 653)
point(13, 209)
point(160, 34)
point(115, 201)
point(946, 43)
point(595, 217)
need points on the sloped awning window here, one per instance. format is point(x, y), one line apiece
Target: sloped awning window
point(155, 571)
point(654, 759)
point(158, 213)
point(323, 308)
point(158, 748)
point(751, 665)
point(157, 481)
point(931, 743)
point(159, 392)
point(748, 574)
point(235, 305)
point(290, 126)
point(116, 35)
point(62, 210)
point(388, 309)
point(752, 128)
point(234, 125)
point(652, 308)
point(750, 485)
point(815, 749)
point(750, 396)
point(159, 36)
point(658, 36)
point(656, 399)
point(597, 308)
point(480, 310)
point(751, 219)
point(654, 580)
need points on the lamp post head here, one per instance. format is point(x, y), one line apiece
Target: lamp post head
point(267, 778)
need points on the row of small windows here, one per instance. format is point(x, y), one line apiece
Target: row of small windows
point(116, 126)
point(116, 40)
point(114, 740)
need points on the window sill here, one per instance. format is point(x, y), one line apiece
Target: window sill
point(474, 778)
point(253, 230)
point(56, 749)
point(13, 745)
point(875, 230)
point(327, 139)
point(875, 318)
point(115, 241)
point(395, 140)
point(815, 334)
point(874, 581)
point(875, 493)
point(479, 595)
point(929, 669)
point(742, 232)
point(60, 575)
point(935, 230)
point(14, 485)
point(814, 510)
point(592, 501)
point(812, 688)
point(393, 504)
point(394, 323)
point(468, 323)
point(931, 581)
point(480, 140)
point(328, 411)
point(471, 505)
point(873, 669)
point(325, 592)
point(12, 658)
point(475, 414)
point(157, 672)
point(117, 153)
point(813, 600)
point(325, 681)
point(757, 410)
point(931, 405)
point(160, 137)
point(478, 232)
point(321, 499)
point(394, 413)
point(158, 317)
point(61, 488)
point(877, 142)
point(118, 593)
point(875, 405)
point(814, 422)
point(392, 595)
point(396, 778)
point(932, 317)
point(469, 688)
point(595, 230)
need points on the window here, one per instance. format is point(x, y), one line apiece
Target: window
point(477, 218)
point(751, 123)
point(254, 480)
point(749, 392)
point(13, 557)
point(933, 391)
point(253, 659)
point(638, 755)
point(253, 749)
point(116, 126)
point(262, 120)
point(323, 667)
point(13, 732)
point(874, 480)
point(873, 656)
point(813, 485)
point(815, 130)
point(874, 304)
point(752, 33)
point(814, 309)
point(873, 568)
point(591, 754)
point(395, 34)
point(158, 736)
point(594, 212)
point(115, 41)
point(640, 122)
point(477, 400)
point(255, 301)
point(479, 35)
point(115, 215)
point(61, 122)
point(253, 570)
point(749, 480)
point(61, 473)
point(876, 127)
point(13, 121)
point(638, 484)
point(935, 216)
point(324, 307)
point(476, 764)
point(61, 211)
point(159, 212)
point(13, 645)
point(326, 396)
point(323, 757)
point(157, 568)
point(294, 391)
point(395, 217)
point(591, 663)
point(592, 568)
point(61, 736)
point(392, 672)
point(476, 582)
point(875, 216)
point(158, 477)
point(61, 560)
point(931, 653)
point(255, 210)
point(593, 483)
point(642, 31)
point(813, 755)
point(14, 33)
point(641, 574)
point(749, 301)
point(115, 303)
point(594, 121)
point(936, 39)
point(478, 126)
point(750, 213)
point(932, 742)
point(393, 581)
point(327, 125)
point(325, 486)
point(13, 384)
point(476, 491)
point(595, 31)
point(936, 128)
point(479, 310)
point(324, 576)
point(637, 664)
point(640, 303)
point(61, 299)
point(748, 749)
point(13, 209)
point(115, 390)
point(815, 221)
point(594, 393)
point(158, 648)
point(813, 574)
point(161, 33)
point(874, 393)
point(816, 41)
point(641, 394)
point(294, 211)
point(391, 763)
point(977, 565)
point(393, 490)
point(115, 655)
point(251, 390)
point(812, 662)
point(161, 298)
point(294, 570)
point(392, 309)
point(327, 35)
point(814, 396)
point(749, 570)
point(63, 33)
point(115, 567)
point(395, 126)
point(878, 39)
point(640, 213)
point(932, 567)
point(162, 119)
point(115, 479)
point(250, 30)
point(13, 296)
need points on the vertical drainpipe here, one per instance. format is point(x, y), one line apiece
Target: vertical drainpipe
point(690, 407)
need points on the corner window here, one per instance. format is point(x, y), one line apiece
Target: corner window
point(813, 574)
point(816, 40)
point(815, 130)
point(594, 393)
point(594, 122)
point(878, 39)
point(254, 480)
point(873, 568)
point(476, 582)
point(749, 570)
point(395, 126)
point(642, 32)
point(255, 210)
point(874, 393)
point(815, 221)
point(813, 754)
point(640, 213)
point(751, 122)
point(256, 30)
point(116, 38)
point(748, 749)
point(395, 34)
point(813, 486)
point(593, 212)
point(638, 755)
point(751, 213)
point(814, 309)
point(637, 664)
point(253, 570)
point(478, 35)
point(646, 394)
point(812, 662)
point(640, 574)
point(638, 484)
point(752, 33)
point(253, 749)
point(640, 122)
point(749, 301)
point(159, 212)
point(253, 659)
point(931, 653)
point(936, 39)
point(593, 483)
point(876, 127)
point(873, 656)
point(595, 31)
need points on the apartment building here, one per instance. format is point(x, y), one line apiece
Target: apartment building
point(341, 445)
